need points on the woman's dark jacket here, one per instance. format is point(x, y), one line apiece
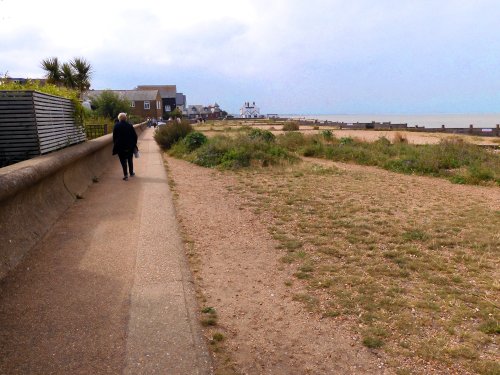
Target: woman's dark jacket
point(124, 138)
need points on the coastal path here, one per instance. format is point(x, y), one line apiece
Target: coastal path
point(107, 290)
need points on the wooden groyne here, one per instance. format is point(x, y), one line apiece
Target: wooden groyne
point(471, 130)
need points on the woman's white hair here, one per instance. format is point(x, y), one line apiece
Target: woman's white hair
point(122, 116)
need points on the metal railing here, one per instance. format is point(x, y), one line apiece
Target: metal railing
point(96, 131)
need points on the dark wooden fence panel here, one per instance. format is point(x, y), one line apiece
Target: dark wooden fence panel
point(55, 122)
point(18, 136)
point(33, 123)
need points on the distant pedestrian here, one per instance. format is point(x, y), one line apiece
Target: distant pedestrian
point(124, 144)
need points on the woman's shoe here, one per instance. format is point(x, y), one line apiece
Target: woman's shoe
point(125, 178)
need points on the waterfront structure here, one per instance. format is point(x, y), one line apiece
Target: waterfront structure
point(249, 111)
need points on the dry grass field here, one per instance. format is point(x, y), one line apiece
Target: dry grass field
point(369, 271)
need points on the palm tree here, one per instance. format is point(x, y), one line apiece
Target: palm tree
point(68, 77)
point(53, 70)
point(82, 73)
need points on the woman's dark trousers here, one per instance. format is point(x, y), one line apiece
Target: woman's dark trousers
point(124, 159)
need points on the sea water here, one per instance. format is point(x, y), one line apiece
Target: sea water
point(429, 121)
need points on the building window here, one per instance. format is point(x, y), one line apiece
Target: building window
point(158, 104)
point(147, 105)
point(132, 104)
point(167, 108)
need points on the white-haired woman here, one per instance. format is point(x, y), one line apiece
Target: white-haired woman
point(124, 144)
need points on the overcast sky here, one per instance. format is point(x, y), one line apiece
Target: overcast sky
point(289, 56)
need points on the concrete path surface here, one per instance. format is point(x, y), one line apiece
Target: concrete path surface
point(107, 290)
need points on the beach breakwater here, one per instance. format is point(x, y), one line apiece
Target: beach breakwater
point(34, 193)
point(471, 130)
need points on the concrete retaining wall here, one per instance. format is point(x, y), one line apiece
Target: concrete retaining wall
point(34, 193)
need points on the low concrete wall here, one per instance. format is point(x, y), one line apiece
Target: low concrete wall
point(34, 193)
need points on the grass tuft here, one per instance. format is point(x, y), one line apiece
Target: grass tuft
point(372, 342)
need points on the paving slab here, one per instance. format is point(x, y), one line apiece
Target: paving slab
point(107, 290)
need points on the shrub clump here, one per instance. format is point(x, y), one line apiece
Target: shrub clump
point(264, 135)
point(290, 126)
point(254, 148)
point(292, 141)
point(211, 153)
point(194, 140)
point(459, 161)
point(327, 135)
point(167, 135)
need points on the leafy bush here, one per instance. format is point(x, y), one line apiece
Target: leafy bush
point(382, 141)
point(236, 158)
point(36, 86)
point(179, 150)
point(290, 126)
point(292, 141)
point(479, 173)
point(265, 135)
point(346, 141)
point(327, 134)
point(194, 140)
point(313, 150)
point(211, 153)
point(239, 152)
point(167, 135)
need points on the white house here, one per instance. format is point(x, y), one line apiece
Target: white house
point(249, 111)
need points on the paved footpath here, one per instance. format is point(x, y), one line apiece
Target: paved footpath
point(107, 290)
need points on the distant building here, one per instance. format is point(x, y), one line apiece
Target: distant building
point(195, 111)
point(215, 111)
point(209, 112)
point(143, 103)
point(249, 111)
point(168, 95)
point(180, 101)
